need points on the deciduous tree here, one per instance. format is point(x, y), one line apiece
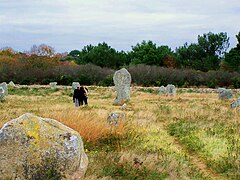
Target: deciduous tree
point(42, 50)
point(232, 59)
point(148, 53)
point(204, 55)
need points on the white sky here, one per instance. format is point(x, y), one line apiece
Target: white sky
point(71, 24)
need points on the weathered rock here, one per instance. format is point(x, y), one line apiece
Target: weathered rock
point(75, 85)
point(35, 148)
point(11, 84)
point(224, 93)
point(114, 117)
point(171, 90)
point(53, 85)
point(2, 94)
point(162, 90)
point(3, 91)
point(4, 86)
point(124, 106)
point(236, 103)
point(122, 81)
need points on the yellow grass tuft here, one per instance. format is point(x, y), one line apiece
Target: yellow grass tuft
point(92, 126)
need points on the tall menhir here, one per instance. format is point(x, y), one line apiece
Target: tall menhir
point(122, 81)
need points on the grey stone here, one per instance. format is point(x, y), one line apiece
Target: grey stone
point(124, 106)
point(224, 93)
point(4, 86)
point(162, 90)
point(53, 85)
point(11, 84)
point(2, 94)
point(75, 85)
point(114, 117)
point(122, 81)
point(236, 103)
point(3, 91)
point(171, 90)
point(31, 147)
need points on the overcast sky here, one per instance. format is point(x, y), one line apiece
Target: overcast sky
point(72, 24)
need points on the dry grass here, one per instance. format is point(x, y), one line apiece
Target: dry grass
point(143, 133)
point(91, 125)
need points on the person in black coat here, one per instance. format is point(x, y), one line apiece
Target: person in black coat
point(79, 95)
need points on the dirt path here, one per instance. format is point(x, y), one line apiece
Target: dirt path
point(199, 163)
point(195, 160)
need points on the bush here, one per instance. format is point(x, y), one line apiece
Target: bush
point(47, 81)
point(24, 71)
point(156, 76)
point(212, 84)
point(108, 81)
point(64, 80)
point(28, 81)
point(236, 82)
point(85, 80)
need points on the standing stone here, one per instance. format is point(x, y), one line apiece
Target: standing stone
point(53, 85)
point(4, 86)
point(2, 94)
point(75, 85)
point(171, 90)
point(224, 93)
point(114, 117)
point(162, 90)
point(236, 103)
point(32, 147)
point(11, 84)
point(122, 81)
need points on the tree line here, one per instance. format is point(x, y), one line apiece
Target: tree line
point(205, 63)
point(209, 53)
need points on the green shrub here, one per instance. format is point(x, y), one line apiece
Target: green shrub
point(236, 82)
point(28, 81)
point(47, 81)
point(65, 80)
point(85, 80)
point(212, 84)
point(108, 81)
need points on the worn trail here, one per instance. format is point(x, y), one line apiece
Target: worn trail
point(199, 163)
point(195, 160)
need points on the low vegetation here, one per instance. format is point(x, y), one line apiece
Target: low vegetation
point(189, 136)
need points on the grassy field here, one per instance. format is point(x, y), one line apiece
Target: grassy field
point(189, 136)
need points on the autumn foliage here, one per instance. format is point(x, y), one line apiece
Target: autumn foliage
point(41, 66)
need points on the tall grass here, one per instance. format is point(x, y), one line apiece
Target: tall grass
point(92, 126)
